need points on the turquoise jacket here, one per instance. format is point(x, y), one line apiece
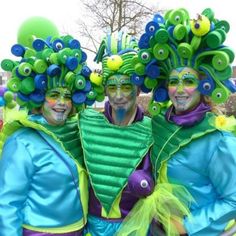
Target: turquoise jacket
point(39, 185)
point(207, 168)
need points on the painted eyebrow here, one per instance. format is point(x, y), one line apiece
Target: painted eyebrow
point(53, 92)
point(189, 76)
point(173, 78)
point(67, 93)
point(111, 82)
point(126, 83)
point(58, 93)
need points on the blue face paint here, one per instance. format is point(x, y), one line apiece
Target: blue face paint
point(120, 114)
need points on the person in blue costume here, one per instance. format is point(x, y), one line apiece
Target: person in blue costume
point(43, 182)
point(187, 67)
point(116, 148)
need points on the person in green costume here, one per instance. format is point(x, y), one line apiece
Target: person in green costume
point(116, 142)
point(193, 143)
point(43, 182)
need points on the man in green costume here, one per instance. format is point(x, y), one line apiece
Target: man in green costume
point(116, 142)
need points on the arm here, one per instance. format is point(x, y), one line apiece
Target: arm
point(15, 174)
point(213, 218)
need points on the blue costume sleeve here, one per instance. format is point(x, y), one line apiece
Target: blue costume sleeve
point(15, 173)
point(211, 219)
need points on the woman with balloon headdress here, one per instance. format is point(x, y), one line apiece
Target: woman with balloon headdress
point(188, 69)
point(43, 184)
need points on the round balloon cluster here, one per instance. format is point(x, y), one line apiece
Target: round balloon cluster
point(53, 62)
point(116, 53)
point(176, 41)
point(6, 98)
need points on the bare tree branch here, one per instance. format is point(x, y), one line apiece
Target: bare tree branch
point(113, 15)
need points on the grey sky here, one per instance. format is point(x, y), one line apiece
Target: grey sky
point(65, 13)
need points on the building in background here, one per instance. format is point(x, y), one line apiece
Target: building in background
point(4, 77)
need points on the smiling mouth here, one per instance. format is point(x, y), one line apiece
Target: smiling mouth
point(182, 98)
point(59, 110)
point(120, 103)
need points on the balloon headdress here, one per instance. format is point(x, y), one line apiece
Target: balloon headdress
point(175, 41)
point(116, 55)
point(6, 98)
point(52, 62)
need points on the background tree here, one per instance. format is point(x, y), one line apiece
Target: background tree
point(103, 16)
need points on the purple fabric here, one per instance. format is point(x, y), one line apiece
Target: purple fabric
point(189, 118)
point(27, 232)
point(140, 183)
point(133, 191)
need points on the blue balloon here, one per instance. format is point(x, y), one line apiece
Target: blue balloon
point(2, 102)
point(206, 86)
point(72, 63)
point(18, 50)
point(151, 28)
point(160, 94)
point(144, 41)
point(79, 98)
point(137, 79)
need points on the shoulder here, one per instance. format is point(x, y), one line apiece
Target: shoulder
point(22, 134)
point(147, 120)
point(89, 112)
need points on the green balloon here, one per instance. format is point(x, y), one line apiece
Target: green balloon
point(35, 27)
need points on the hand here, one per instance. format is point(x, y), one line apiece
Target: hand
point(179, 226)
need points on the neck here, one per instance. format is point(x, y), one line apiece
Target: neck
point(187, 111)
point(190, 118)
point(126, 118)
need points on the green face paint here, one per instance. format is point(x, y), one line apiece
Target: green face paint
point(182, 89)
point(57, 106)
point(121, 94)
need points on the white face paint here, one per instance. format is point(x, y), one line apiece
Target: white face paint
point(57, 106)
point(182, 89)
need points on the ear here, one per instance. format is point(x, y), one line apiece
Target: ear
point(37, 110)
point(105, 88)
point(72, 112)
point(138, 91)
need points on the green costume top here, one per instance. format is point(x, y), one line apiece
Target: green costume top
point(169, 138)
point(112, 153)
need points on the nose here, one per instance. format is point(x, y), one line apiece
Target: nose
point(118, 93)
point(180, 88)
point(61, 100)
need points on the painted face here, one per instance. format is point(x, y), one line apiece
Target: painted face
point(121, 94)
point(57, 106)
point(182, 89)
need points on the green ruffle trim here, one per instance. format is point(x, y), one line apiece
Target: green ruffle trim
point(169, 138)
point(67, 136)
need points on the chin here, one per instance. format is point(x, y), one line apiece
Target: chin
point(59, 123)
